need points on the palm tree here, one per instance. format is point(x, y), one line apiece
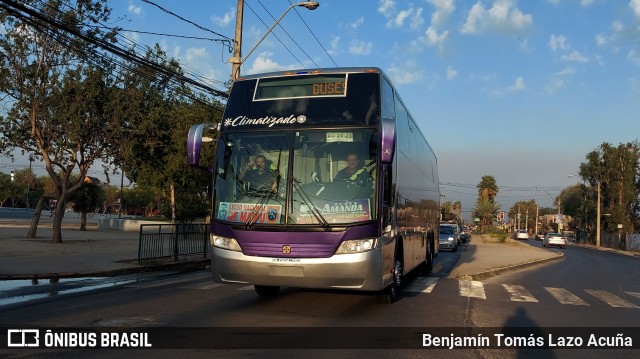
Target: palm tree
point(487, 188)
point(486, 210)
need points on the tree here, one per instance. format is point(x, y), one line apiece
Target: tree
point(56, 108)
point(156, 120)
point(488, 188)
point(616, 170)
point(486, 210)
point(86, 199)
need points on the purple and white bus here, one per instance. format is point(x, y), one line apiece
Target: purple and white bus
point(321, 179)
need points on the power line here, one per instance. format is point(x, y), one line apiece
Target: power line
point(285, 31)
point(16, 9)
point(276, 36)
point(188, 21)
point(313, 34)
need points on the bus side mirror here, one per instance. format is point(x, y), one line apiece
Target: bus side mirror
point(388, 140)
point(194, 143)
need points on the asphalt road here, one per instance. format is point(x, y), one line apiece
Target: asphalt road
point(497, 304)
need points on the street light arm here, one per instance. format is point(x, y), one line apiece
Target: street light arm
point(311, 5)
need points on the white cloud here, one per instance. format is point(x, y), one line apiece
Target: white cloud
point(586, 2)
point(137, 10)
point(635, 6)
point(406, 74)
point(557, 42)
point(195, 53)
point(601, 40)
point(444, 8)
point(503, 17)
point(575, 56)
point(617, 26)
point(451, 73)
point(417, 20)
point(335, 45)
point(226, 19)
point(555, 85)
point(357, 47)
point(432, 37)
point(386, 7)
point(398, 20)
point(264, 63)
point(518, 85)
point(633, 57)
point(566, 72)
point(356, 24)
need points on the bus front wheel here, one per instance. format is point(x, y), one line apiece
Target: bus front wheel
point(267, 290)
point(390, 294)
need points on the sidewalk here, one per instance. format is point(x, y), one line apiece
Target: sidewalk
point(110, 252)
point(89, 253)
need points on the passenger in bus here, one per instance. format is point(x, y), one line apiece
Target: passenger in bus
point(259, 178)
point(353, 171)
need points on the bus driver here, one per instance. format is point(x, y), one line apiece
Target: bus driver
point(353, 170)
point(260, 178)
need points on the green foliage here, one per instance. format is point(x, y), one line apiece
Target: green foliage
point(616, 170)
point(487, 188)
point(87, 198)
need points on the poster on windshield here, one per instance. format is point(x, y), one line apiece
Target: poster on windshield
point(241, 212)
point(356, 210)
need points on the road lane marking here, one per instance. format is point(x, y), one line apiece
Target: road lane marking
point(565, 297)
point(472, 288)
point(519, 294)
point(422, 285)
point(611, 299)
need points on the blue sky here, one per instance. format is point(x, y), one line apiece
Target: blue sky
point(520, 90)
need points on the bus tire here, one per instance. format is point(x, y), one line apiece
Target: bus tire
point(390, 294)
point(267, 290)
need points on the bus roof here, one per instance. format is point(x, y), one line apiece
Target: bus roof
point(329, 70)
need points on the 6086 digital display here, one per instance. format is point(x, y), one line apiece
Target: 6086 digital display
point(334, 85)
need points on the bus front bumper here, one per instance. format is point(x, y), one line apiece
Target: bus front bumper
point(362, 271)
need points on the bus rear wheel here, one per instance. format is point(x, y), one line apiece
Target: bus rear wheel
point(267, 290)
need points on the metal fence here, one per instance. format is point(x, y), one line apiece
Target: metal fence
point(624, 241)
point(166, 240)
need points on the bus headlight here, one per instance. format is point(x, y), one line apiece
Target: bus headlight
point(357, 246)
point(224, 243)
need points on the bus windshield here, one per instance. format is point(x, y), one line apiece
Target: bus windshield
point(311, 177)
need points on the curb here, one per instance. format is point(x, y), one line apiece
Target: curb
point(181, 266)
point(500, 270)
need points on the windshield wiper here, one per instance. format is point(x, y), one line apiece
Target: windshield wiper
point(307, 202)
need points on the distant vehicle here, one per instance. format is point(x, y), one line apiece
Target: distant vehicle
point(464, 236)
point(540, 236)
point(521, 234)
point(554, 239)
point(448, 237)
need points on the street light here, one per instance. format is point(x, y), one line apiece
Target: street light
point(237, 61)
point(559, 216)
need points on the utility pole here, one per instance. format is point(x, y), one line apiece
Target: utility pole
point(237, 43)
point(598, 215)
point(537, 217)
point(526, 221)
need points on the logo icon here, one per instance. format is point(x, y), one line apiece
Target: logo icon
point(23, 338)
point(286, 249)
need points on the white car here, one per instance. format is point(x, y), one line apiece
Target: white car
point(521, 234)
point(554, 239)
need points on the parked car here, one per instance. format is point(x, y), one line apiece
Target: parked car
point(521, 234)
point(540, 236)
point(448, 237)
point(554, 239)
